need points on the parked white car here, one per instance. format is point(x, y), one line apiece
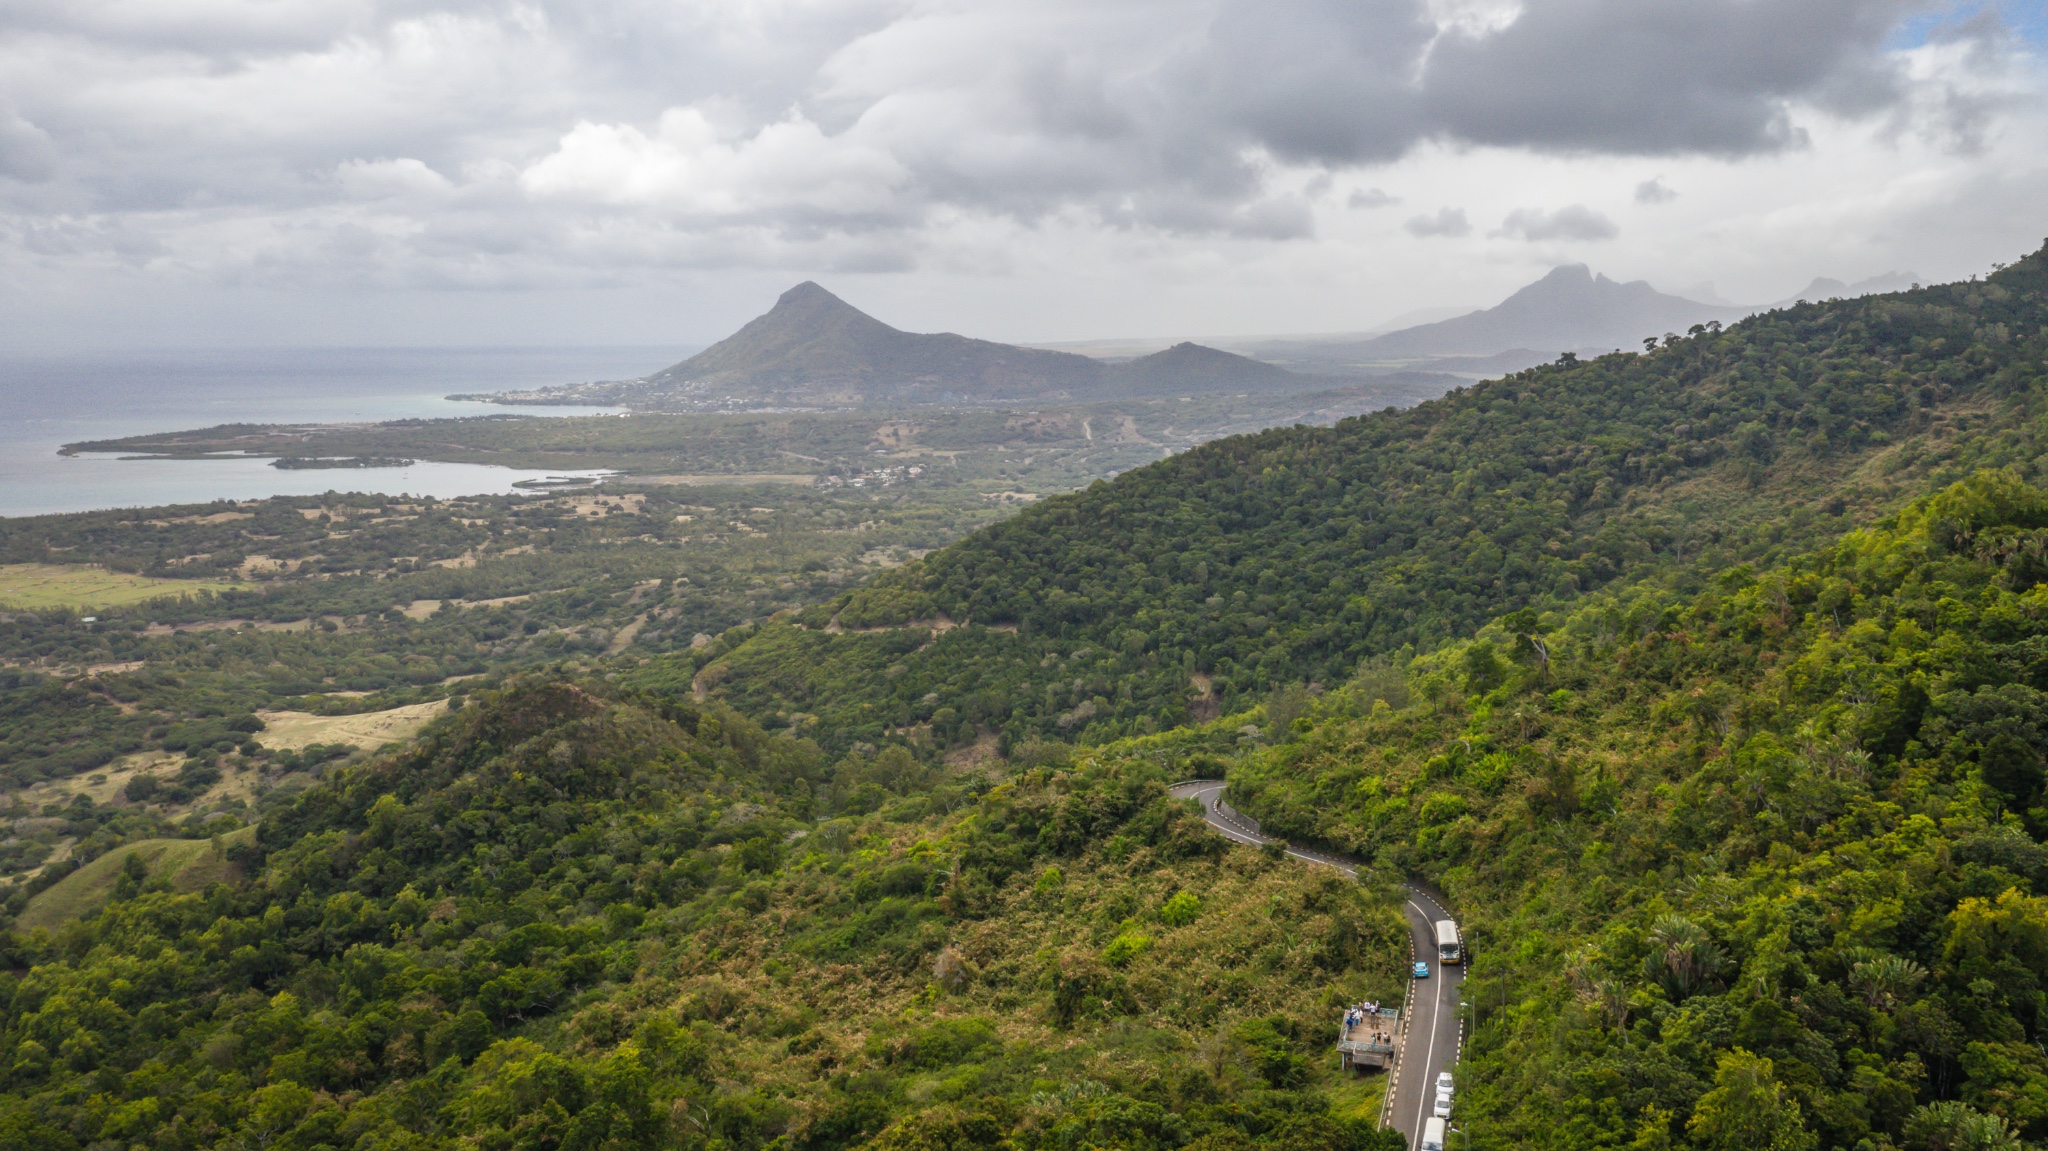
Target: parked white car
point(1443, 1083)
point(1443, 1105)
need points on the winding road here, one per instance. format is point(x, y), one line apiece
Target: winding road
point(1434, 1029)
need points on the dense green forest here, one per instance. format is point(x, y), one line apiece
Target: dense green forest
point(1707, 682)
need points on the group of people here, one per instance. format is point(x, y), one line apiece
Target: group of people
point(1358, 1013)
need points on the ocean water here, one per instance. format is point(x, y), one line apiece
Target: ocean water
point(46, 403)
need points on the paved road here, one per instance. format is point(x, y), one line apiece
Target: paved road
point(1434, 1032)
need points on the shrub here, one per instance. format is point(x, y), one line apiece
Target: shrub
point(1183, 909)
point(1126, 947)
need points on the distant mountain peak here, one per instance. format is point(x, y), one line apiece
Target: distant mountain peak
point(810, 292)
point(1826, 287)
point(1570, 307)
point(1191, 367)
point(1188, 349)
point(810, 301)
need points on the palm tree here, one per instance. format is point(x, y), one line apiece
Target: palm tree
point(1683, 958)
point(1883, 980)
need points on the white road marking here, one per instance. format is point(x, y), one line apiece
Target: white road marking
point(1429, 1059)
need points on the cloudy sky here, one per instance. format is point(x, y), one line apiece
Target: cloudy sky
point(656, 171)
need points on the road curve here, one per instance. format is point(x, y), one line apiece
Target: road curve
point(1435, 1034)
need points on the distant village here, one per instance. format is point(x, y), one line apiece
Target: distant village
point(877, 477)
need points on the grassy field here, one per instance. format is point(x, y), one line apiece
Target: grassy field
point(64, 585)
point(190, 864)
point(293, 730)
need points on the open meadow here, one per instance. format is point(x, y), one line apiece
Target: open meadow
point(33, 586)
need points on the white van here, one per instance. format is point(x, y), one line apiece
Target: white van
point(1433, 1135)
point(1448, 948)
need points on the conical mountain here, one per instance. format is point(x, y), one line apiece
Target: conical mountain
point(814, 348)
point(809, 330)
point(1190, 369)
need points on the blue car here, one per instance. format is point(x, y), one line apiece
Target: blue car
point(1421, 970)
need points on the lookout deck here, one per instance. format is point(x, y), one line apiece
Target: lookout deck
point(1368, 1038)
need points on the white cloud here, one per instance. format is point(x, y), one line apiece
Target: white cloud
point(381, 179)
point(783, 171)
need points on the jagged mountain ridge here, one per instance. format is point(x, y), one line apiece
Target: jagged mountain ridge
point(1829, 288)
point(812, 347)
point(1567, 310)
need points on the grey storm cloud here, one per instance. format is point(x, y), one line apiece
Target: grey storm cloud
point(1447, 222)
point(275, 133)
point(1339, 81)
point(26, 153)
point(1572, 222)
point(1654, 191)
point(1651, 77)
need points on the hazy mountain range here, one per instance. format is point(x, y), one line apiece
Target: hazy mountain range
point(813, 349)
point(1570, 309)
point(1824, 288)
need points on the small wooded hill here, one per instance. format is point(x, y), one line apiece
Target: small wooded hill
point(571, 918)
point(1294, 554)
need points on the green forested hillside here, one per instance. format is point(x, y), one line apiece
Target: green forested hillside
point(1290, 555)
point(1767, 859)
point(570, 919)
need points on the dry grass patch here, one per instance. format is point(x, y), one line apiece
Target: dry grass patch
point(105, 786)
point(79, 586)
point(295, 730)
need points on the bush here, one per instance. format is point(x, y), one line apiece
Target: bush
point(1126, 947)
point(1183, 909)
